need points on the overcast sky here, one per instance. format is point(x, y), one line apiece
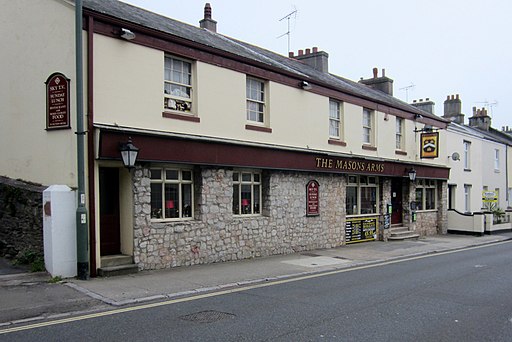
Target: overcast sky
point(441, 47)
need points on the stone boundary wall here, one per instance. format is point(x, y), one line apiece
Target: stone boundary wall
point(426, 223)
point(216, 235)
point(21, 217)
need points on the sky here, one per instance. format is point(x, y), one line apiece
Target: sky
point(430, 48)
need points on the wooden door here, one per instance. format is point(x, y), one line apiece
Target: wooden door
point(396, 200)
point(110, 235)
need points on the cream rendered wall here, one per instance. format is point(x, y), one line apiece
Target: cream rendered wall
point(494, 179)
point(129, 92)
point(37, 40)
point(459, 176)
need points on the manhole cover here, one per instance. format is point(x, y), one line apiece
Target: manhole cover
point(208, 316)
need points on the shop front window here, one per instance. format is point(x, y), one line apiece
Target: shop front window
point(362, 195)
point(246, 193)
point(171, 193)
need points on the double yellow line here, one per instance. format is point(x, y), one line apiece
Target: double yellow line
point(228, 291)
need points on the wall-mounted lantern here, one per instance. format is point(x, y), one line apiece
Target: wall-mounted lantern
point(129, 154)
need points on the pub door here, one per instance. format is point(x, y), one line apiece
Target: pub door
point(396, 200)
point(110, 235)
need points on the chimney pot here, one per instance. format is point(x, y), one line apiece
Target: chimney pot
point(421, 100)
point(301, 52)
point(290, 54)
point(427, 99)
point(315, 49)
point(207, 22)
point(413, 101)
point(375, 72)
point(383, 72)
point(447, 97)
point(453, 97)
point(207, 11)
point(308, 51)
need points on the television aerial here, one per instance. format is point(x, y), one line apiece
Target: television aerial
point(288, 33)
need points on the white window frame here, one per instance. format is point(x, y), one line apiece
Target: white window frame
point(159, 214)
point(360, 182)
point(496, 160)
point(255, 115)
point(368, 123)
point(467, 198)
point(250, 209)
point(467, 155)
point(178, 100)
point(399, 134)
point(423, 186)
point(335, 120)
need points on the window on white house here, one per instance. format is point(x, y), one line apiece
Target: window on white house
point(255, 93)
point(399, 138)
point(467, 155)
point(496, 160)
point(426, 194)
point(367, 127)
point(467, 198)
point(335, 129)
point(177, 85)
point(246, 193)
point(362, 195)
point(171, 193)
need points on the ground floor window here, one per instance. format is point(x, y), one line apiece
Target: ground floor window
point(171, 193)
point(246, 193)
point(426, 194)
point(362, 195)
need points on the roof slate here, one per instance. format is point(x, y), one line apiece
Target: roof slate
point(145, 18)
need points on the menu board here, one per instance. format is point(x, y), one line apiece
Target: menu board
point(361, 229)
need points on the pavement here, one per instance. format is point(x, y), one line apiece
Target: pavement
point(28, 297)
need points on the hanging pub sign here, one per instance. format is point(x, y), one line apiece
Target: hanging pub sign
point(312, 198)
point(429, 145)
point(57, 102)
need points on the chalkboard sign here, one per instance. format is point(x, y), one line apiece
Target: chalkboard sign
point(360, 229)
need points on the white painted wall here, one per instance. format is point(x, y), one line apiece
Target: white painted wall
point(37, 40)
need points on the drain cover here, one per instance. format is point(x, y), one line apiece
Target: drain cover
point(208, 316)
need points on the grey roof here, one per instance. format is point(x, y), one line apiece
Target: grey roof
point(139, 16)
point(492, 134)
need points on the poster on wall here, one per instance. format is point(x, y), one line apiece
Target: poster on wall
point(312, 198)
point(429, 145)
point(57, 102)
point(361, 229)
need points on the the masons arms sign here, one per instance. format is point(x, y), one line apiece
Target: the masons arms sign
point(429, 145)
point(57, 102)
point(350, 165)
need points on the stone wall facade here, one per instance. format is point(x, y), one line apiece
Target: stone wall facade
point(21, 217)
point(216, 235)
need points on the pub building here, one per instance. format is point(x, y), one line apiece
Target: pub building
point(202, 148)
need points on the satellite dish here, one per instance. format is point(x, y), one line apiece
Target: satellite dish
point(455, 156)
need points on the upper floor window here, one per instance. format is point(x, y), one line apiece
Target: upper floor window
point(367, 127)
point(335, 119)
point(467, 155)
point(246, 193)
point(255, 93)
point(177, 85)
point(171, 193)
point(399, 135)
point(362, 195)
point(426, 198)
point(496, 160)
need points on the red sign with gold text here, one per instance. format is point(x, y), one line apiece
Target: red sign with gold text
point(313, 198)
point(57, 102)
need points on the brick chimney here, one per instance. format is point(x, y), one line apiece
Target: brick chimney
point(480, 119)
point(208, 23)
point(453, 109)
point(316, 59)
point(427, 105)
point(383, 83)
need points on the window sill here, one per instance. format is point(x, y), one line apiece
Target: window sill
point(400, 152)
point(258, 128)
point(179, 116)
point(369, 148)
point(427, 211)
point(247, 216)
point(338, 142)
point(172, 220)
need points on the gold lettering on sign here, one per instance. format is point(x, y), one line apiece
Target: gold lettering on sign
point(349, 165)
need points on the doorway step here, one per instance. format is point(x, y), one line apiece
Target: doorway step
point(400, 233)
point(114, 265)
